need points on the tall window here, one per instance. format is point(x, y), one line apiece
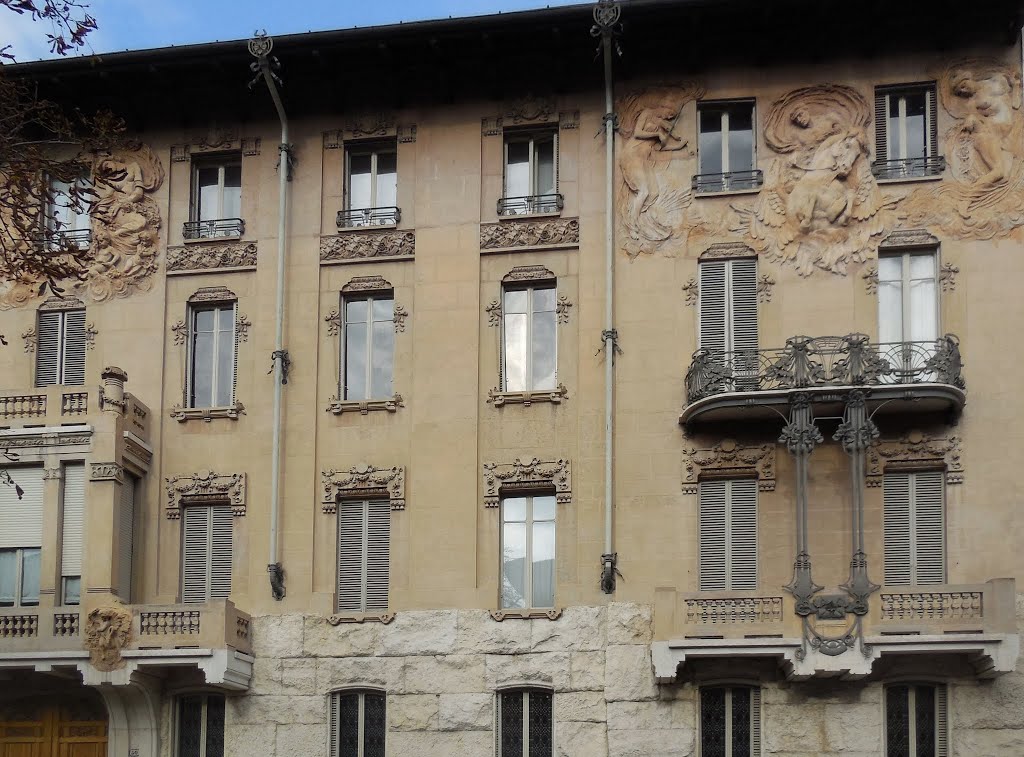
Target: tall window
point(21, 536)
point(728, 317)
point(371, 186)
point(216, 199)
point(73, 511)
point(531, 174)
point(60, 347)
point(528, 551)
point(68, 216)
point(525, 726)
point(368, 346)
point(906, 134)
point(358, 724)
point(916, 721)
point(915, 528)
point(529, 344)
point(211, 356)
point(725, 148)
point(364, 549)
point(908, 308)
point(728, 535)
point(200, 727)
point(206, 553)
point(125, 537)
point(730, 721)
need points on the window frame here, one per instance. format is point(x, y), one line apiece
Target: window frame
point(366, 505)
point(906, 288)
point(193, 310)
point(531, 205)
point(205, 696)
point(528, 522)
point(729, 536)
point(756, 715)
point(369, 297)
point(912, 527)
point(334, 729)
point(523, 691)
point(933, 162)
point(220, 162)
point(19, 576)
point(940, 714)
point(529, 287)
point(81, 219)
point(374, 150)
point(211, 541)
point(728, 107)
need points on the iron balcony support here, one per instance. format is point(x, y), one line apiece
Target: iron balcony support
point(801, 436)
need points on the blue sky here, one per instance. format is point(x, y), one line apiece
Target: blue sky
point(131, 24)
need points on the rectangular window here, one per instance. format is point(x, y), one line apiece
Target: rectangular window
point(68, 215)
point(358, 724)
point(531, 174)
point(916, 721)
point(60, 347)
point(728, 317)
point(364, 554)
point(529, 339)
point(728, 535)
point(525, 723)
point(908, 303)
point(206, 553)
point(371, 186)
point(725, 148)
point(906, 133)
point(216, 206)
point(73, 510)
point(125, 537)
point(528, 551)
point(368, 346)
point(21, 537)
point(201, 726)
point(211, 356)
point(914, 528)
point(730, 721)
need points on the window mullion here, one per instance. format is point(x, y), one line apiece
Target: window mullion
point(908, 312)
point(532, 163)
point(214, 355)
point(903, 126)
point(528, 374)
point(725, 141)
point(528, 566)
point(373, 179)
point(369, 348)
point(220, 191)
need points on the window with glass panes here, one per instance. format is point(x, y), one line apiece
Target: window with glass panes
point(906, 134)
point(200, 726)
point(21, 536)
point(916, 721)
point(725, 145)
point(371, 178)
point(525, 723)
point(69, 210)
point(211, 355)
point(908, 308)
point(531, 170)
point(60, 347)
point(367, 346)
point(528, 551)
point(730, 721)
point(529, 338)
point(217, 192)
point(358, 724)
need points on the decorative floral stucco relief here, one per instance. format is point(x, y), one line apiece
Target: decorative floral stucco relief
point(729, 458)
point(358, 245)
point(360, 481)
point(559, 232)
point(501, 478)
point(205, 486)
point(206, 256)
point(913, 451)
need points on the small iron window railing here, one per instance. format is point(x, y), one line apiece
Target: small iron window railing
point(385, 216)
point(530, 204)
point(908, 168)
point(213, 228)
point(731, 181)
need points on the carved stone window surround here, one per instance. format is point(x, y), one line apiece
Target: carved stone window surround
point(915, 450)
point(729, 459)
point(728, 251)
point(202, 488)
point(529, 111)
point(902, 239)
point(207, 414)
point(362, 481)
point(504, 479)
point(554, 396)
point(363, 407)
point(528, 614)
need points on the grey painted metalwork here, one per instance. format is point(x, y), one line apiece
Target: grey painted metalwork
point(383, 216)
point(909, 168)
point(213, 228)
point(530, 204)
point(730, 181)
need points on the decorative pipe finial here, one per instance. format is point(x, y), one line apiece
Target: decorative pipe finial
point(606, 17)
point(261, 44)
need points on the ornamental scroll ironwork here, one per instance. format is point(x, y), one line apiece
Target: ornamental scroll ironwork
point(915, 450)
point(363, 480)
point(502, 478)
point(205, 487)
point(729, 458)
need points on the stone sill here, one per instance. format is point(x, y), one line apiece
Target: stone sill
point(529, 216)
point(727, 193)
point(371, 259)
point(368, 227)
point(360, 617)
point(339, 407)
point(182, 414)
point(910, 179)
point(198, 271)
point(531, 248)
point(555, 397)
point(209, 240)
point(528, 614)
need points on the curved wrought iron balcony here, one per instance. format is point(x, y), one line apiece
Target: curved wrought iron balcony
point(827, 363)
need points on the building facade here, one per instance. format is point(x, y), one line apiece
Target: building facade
point(803, 537)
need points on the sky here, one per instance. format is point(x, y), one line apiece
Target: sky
point(135, 25)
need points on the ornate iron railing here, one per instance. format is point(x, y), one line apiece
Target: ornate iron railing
point(807, 362)
point(909, 168)
point(731, 181)
point(386, 216)
point(521, 206)
point(213, 228)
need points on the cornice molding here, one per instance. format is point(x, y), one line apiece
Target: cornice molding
point(501, 479)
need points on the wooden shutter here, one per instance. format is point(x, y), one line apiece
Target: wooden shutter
point(742, 523)
point(929, 534)
point(378, 554)
point(742, 320)
point(221, 551)
point(48, 341)
point(941, 722)
point(896, 527)
point(881, 125)
point(933, 122)
point(195, 554)
point(332, 724)
point(21, 520)
point(713, 531)
point(71, 529)
point(73, 358)
point(755, 721)
point(351, 556)
point(712, 307)
point(125, 538)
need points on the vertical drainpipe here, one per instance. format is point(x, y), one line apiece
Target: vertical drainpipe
point(606, 26)
point(260, 46)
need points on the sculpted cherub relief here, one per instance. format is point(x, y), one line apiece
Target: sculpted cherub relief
point(984, 152)
point(820, 206)
point(108, 630)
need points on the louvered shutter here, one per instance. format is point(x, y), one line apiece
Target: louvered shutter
point(881, 126)
point(742, 320)
point(712, 308)
point(929, 534)
point(221, 551)
point(351, 555)
point(755, 722)
point(378, 554)
point(73, 359)
point(933, 122)
point(742, 534)
point(333, 725)
point(713, 530)
point(125, 538)
point(48, 347)
point(941, 722)
point(21, 520)
point(195, 559)
point(71, 529)
point(896, 527)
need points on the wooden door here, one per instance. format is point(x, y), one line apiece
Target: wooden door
point(32, 729)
